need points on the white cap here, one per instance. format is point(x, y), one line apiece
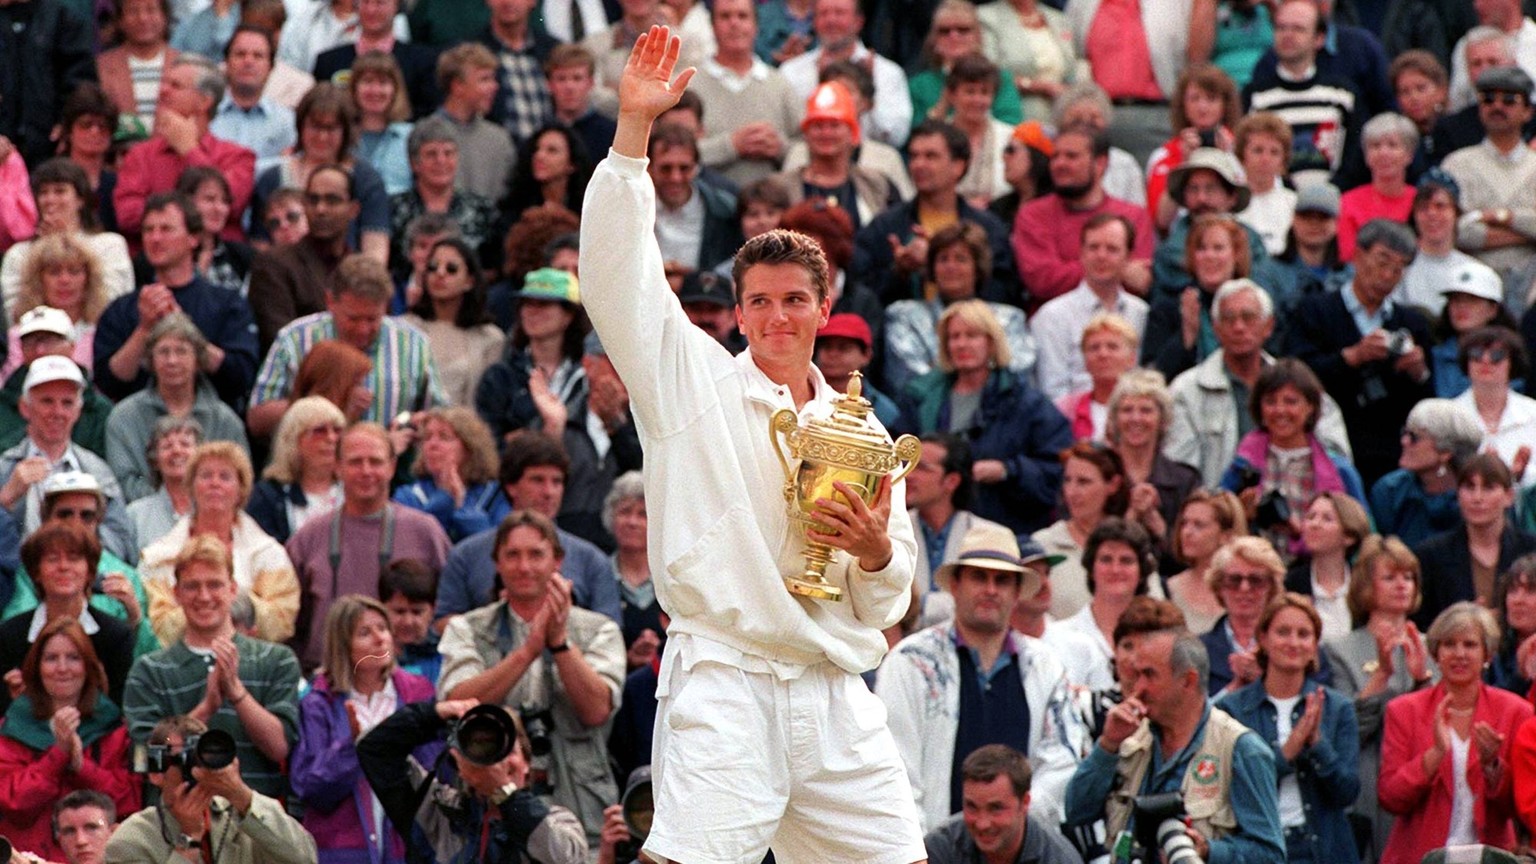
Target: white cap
point(53, 368)
point(1476, 279)
point(45, 319)
point(70, 481)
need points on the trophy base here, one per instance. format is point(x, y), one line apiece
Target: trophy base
point(819, 589)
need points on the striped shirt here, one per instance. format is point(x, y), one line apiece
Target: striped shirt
point(172, 681)
point(403, 377)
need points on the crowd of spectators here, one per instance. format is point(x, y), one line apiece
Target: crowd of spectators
point(1214, 318)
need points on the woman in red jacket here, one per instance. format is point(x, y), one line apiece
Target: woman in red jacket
point(61, 734)
point(1447, 749)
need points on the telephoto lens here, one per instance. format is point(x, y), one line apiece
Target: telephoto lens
point(215, 749)
point(484, 735)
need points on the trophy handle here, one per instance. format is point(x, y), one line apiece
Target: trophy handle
point(784, 421)
point(909, 450)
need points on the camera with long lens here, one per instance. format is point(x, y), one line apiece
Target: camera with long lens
point(484, 735)
point(1160, 823)
point(639, 809)
point(213, 749)
point(539, 723)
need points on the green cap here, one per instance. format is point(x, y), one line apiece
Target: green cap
point(547, 283)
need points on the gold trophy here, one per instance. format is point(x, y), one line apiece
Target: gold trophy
point(847, 446)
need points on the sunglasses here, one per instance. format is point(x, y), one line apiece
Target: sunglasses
point(952, 29)
point(452, 268)
point(292, 217)
point(1488, 354)
point(87, 515)
point(1239, 581)
point(1508, 100)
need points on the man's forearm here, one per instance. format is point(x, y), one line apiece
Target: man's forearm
point(495, 683)
point(129, 359)
point(588, 692)
point(265, 730)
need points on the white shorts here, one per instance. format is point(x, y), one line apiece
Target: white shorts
point(744, 761)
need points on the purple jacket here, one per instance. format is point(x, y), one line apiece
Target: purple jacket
point(325, 774)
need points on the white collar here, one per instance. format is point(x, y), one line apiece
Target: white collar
point(40, 619)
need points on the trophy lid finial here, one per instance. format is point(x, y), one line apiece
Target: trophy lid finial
point(856, 385)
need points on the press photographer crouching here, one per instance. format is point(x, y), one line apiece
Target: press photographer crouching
point(1165, 737)
point(206, 812)
point(488, 813)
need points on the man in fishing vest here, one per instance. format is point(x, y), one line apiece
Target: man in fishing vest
point(1166, 737)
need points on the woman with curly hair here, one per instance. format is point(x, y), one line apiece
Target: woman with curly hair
point(553, 167)
point(64, 273)
point(456, 465)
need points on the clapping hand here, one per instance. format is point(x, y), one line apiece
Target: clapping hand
point(66, 734)
point(1307, 728)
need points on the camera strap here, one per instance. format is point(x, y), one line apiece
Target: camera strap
point(386, 543)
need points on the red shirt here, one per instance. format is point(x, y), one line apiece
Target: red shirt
point(1048, 246)
point(1117, 49)
point(153, 166)
point(1362, 204)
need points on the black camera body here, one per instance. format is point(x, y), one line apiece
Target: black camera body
point(1272, 508)
point(1160, 823)
point(213, 749)
point(539, 723)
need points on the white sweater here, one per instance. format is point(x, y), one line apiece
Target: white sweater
point(920, 686)
point(720, 536)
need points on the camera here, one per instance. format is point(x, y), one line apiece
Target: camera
point(539, 723)
point(1160, 824)
point(1207, 137)
point(1272, 510)
point(1247, 476)
point(213, 749)
point(484, 735)
point(1399, 342)
point(639, 809)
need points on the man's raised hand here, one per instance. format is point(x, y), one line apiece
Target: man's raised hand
point(646, 88)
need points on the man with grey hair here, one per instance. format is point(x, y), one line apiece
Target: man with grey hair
point(1498, 225)
point(190, 90)
point(1210, 401)
point(1166, 737)
point(1369, 351)
point(1487, 48)
point(433, 150)
point(1501, 19)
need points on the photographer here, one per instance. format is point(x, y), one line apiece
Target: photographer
point(1165, 737)
point(489, 814)
point(1368, 349)
point(210, 816)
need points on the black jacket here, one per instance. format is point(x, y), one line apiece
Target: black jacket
point(1445, 565)
point(418, 64)
point(113, 641)
point(874, 264)
point(269, 506)
point(45, 52)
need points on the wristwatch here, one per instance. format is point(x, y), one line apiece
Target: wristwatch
point(561, 648)
point(500, 796)
point(185, 842)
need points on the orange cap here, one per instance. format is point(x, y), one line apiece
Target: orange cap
point(1031, 134)
point(832, 101)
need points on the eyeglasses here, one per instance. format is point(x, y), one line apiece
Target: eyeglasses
point(84, 515)
point(1508, 100)
point(1488, 354)
point(292, 217)
point(1250, 581)
point(452, 268)
point(324, 429)
point(1243, 316)
point(952, 29)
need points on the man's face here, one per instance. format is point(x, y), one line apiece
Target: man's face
point(672, 170)
point(838, 357)
point(1486, 54)
point(327, 205)
point(1204, 192)
point(934, 484)
point(167, 242)
point(1155, 684)
point(1074, 171)
point(779, 313)
point(1377, 271)
point(143, 22)
point(837, 22)
point(51, 411)
point(540, 489)
point(83, 834)
point(436, 163)
point(984, 598)
point(286, 222)
point(44, 344)
point(735, 25)
point(994, 816)
point(249, 62)
point(205, 592)
point(476, 87)
point(526, 560)
point(179, 93)
point(82, 507)
point(366, 466)
point(1502, 112)
point(358, 319)
point(376, 18)
point(409, 620)
point(569, 87)
point(933, 170)
point(1241, 327)
point(1105, 254)
point(1297, 40)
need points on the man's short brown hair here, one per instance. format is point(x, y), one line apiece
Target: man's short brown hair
point(456, 61)
point(363, 277)
point(986, 763)
point(568, 56)
point(783, 247)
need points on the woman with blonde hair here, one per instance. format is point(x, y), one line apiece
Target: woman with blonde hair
point(300, 478)
point(1140, 412)
point(338, 371)
point(1207, 521)
point(1332, 528)
point(61, 272)
point(221, 484)
point(1108, 344)
point(1381, 659)
point(356, 688)
point(1245, 575)
point(1215, 252)
point(456, 470)
point(1015, 434)
point(65, 198)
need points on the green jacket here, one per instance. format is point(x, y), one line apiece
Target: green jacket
point(90, 431)
point(25, 600)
